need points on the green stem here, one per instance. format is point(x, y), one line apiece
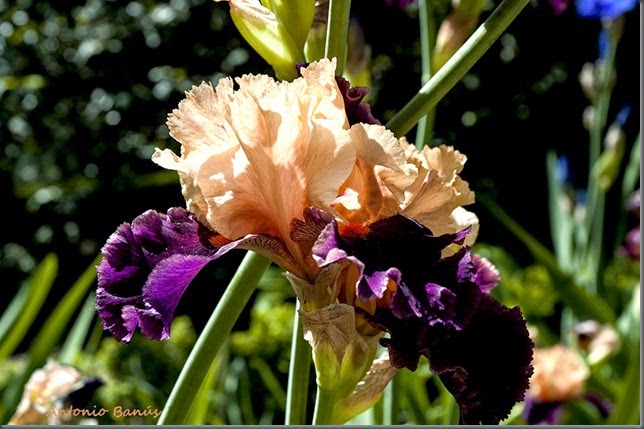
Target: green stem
point(596, 200)
point(456, 67)
point(298, 375)
point(427, 41)
point(390, 403)
point(215, 333)
point(337, 32)
point(324, 402)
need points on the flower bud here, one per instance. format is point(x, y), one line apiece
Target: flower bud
point(607, 165)
point(455, 29)
point(277, 35)
point(587, 81)
point(599, 341)
point(588, 118)
point(49, 387)
point(316, 38)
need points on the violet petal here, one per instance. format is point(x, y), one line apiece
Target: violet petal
point(146, 268)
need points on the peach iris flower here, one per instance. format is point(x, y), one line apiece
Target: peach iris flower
point(254, 158)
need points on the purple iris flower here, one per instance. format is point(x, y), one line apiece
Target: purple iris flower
point(479, 348)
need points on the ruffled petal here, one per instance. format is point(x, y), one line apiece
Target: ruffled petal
point(146, 268)
point(431, 305)
point(486, 366)
point(253, 159)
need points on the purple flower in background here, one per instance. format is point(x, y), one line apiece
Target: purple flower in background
point(632, 242)
point(603, 9)
point(401, 4)
point(559, 6)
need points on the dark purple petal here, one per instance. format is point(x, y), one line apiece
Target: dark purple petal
point(486, 366)
point(358, 111)
point(536, 412)
point(146, 268)
point(479, 348)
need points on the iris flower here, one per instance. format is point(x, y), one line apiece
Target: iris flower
point(560, 376)
point(371, 233)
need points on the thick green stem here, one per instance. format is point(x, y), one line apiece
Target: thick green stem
point(427, 41)
point(456, 67)
point(298, 375)
point(324, 402)
point(337, 32)
point(215, 333)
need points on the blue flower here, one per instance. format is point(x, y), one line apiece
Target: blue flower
point(604, 9)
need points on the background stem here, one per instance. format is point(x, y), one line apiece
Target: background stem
point(456, 67)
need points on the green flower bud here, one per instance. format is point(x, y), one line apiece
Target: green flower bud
point(607, 166)
point(296, 16)
point(277, 38)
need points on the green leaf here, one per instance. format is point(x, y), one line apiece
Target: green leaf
point(52, 329)
point(73, 345)
point(56, 323)
point(201, 404)
point(561, 222)
point(627, 407)
point(39, 284)
point(13, 310)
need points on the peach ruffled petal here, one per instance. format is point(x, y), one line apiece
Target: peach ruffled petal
point(253, 159)
point(436, 197)
point(376, 187)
